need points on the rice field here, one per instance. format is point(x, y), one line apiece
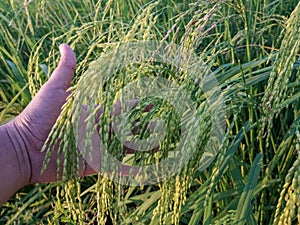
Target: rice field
point(251, 48)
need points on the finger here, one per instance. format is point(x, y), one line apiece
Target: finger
point(131, 148)
point(127, 105)
point(62, 76)
point(140, 129)
point(137, 128)
point(116, 110)
point(148, 108)
point(122, 171)
point(45, 107)
point(118, 107)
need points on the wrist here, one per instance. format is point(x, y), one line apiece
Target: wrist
point(16, 152)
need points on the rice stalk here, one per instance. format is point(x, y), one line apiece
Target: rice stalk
point(290, 193)
point(277, 90)
point(239, 41)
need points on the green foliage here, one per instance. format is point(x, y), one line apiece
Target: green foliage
point(252, 48)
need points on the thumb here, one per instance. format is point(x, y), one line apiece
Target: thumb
point(41, 113)
point(62, 76)
point(53, 92)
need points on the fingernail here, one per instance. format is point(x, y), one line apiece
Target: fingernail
point(61, 48)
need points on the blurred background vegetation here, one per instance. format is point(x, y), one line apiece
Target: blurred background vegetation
point(253, 49)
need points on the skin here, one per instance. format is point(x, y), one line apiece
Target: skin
point(22, 138)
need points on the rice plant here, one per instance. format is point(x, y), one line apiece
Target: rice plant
point(249, 48)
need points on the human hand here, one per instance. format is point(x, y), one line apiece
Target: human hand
point(29, 130)
point(22, 138)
